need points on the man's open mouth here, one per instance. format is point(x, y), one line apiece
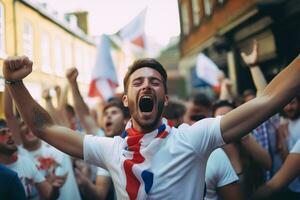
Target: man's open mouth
point(108, 124)
point(146, 103)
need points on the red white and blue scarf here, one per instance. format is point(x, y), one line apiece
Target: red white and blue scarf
point(138, 148)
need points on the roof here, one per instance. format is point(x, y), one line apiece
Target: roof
point(60, 22)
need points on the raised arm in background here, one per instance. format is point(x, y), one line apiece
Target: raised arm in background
point(62, 102)
point(278, 93)
point(256, 73)
point(37, 118)
point(257, 152)
point(49, 105)
point(288, 171)
point(226, 88)
point(12, 122)
point(82, 110)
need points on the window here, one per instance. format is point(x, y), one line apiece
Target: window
point(58, 67)
point(68, 56)
point(207, 7)
point(45, 52)
point(28, 40)
point(185, 18)
point(86, 68)
point(196, 12)
point(2, 31)
point(79, 61)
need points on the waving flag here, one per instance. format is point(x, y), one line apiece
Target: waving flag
point(104, 79)
point(207, 70)
point(134, 30)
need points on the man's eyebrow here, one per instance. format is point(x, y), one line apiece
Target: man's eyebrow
point(150, 77)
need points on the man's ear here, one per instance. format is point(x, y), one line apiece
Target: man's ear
point(125, 100)
point(166, 100)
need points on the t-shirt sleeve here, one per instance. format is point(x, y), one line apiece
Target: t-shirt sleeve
point(296, 148)
point(102, 172)
point(226, 172)
point(204, 136)
point(96, 149)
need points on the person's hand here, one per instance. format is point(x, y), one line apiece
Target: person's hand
point(46, 94)
point(81, 178)
point(72, 74)
point(17, 68)
point(251, 59)
point(57, 89)
point(282, 135)
point(57, 181)
point(227, 83)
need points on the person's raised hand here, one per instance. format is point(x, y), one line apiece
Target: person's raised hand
point(46, 94)
point(72, 74)
point(16, 68)
point(251, 59)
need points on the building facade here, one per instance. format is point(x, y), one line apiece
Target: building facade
point(223, 28)
point(51, 41)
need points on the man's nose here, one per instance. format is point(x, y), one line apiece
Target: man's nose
point(146, 84)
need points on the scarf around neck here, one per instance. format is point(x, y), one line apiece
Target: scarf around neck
point(139, 179)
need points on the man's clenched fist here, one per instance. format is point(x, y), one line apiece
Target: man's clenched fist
point(72, 74)
point(16, 68)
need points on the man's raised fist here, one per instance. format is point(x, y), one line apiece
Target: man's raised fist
point(16, 68)
point(72, 74)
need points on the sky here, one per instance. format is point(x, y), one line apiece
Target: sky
point(109, 16)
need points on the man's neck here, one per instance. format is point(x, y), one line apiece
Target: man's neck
point(33, 147)
point(8, 159)
point(136, 126)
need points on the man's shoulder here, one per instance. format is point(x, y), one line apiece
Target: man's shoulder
point(6, 172)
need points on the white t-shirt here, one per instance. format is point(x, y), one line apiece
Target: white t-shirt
point(219, 172)
point(28, 174)
point(102, 172)
point(296, 148)
point(46, 152)
point(170, 167)
point(294, 136)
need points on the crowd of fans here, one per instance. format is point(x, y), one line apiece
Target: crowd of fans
point(261, 165)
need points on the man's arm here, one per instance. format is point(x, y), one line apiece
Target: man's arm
point(289, 170)
point(257, 152)
point(230, 192)
point(12, 121)
point(82, 110)
point(37, 118)
point(248, 116)
point(99, 190)
point(62, 102)
point(256, 73)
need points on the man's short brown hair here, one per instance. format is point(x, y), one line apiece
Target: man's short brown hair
point(115, 102)
point(145, 62)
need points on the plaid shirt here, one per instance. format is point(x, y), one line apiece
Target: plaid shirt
point(265, 135)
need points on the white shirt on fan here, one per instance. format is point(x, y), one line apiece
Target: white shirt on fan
point(296, 148)
point(29, 175)
point(178, 165)
point(219, 172)
point(294, 136)
point(70, 189)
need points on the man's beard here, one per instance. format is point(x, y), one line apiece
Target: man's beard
point(295, 115)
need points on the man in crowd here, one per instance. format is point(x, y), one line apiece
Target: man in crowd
point(114, 117)
point(46, 158)
point(32, 180)
point(151, 159)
